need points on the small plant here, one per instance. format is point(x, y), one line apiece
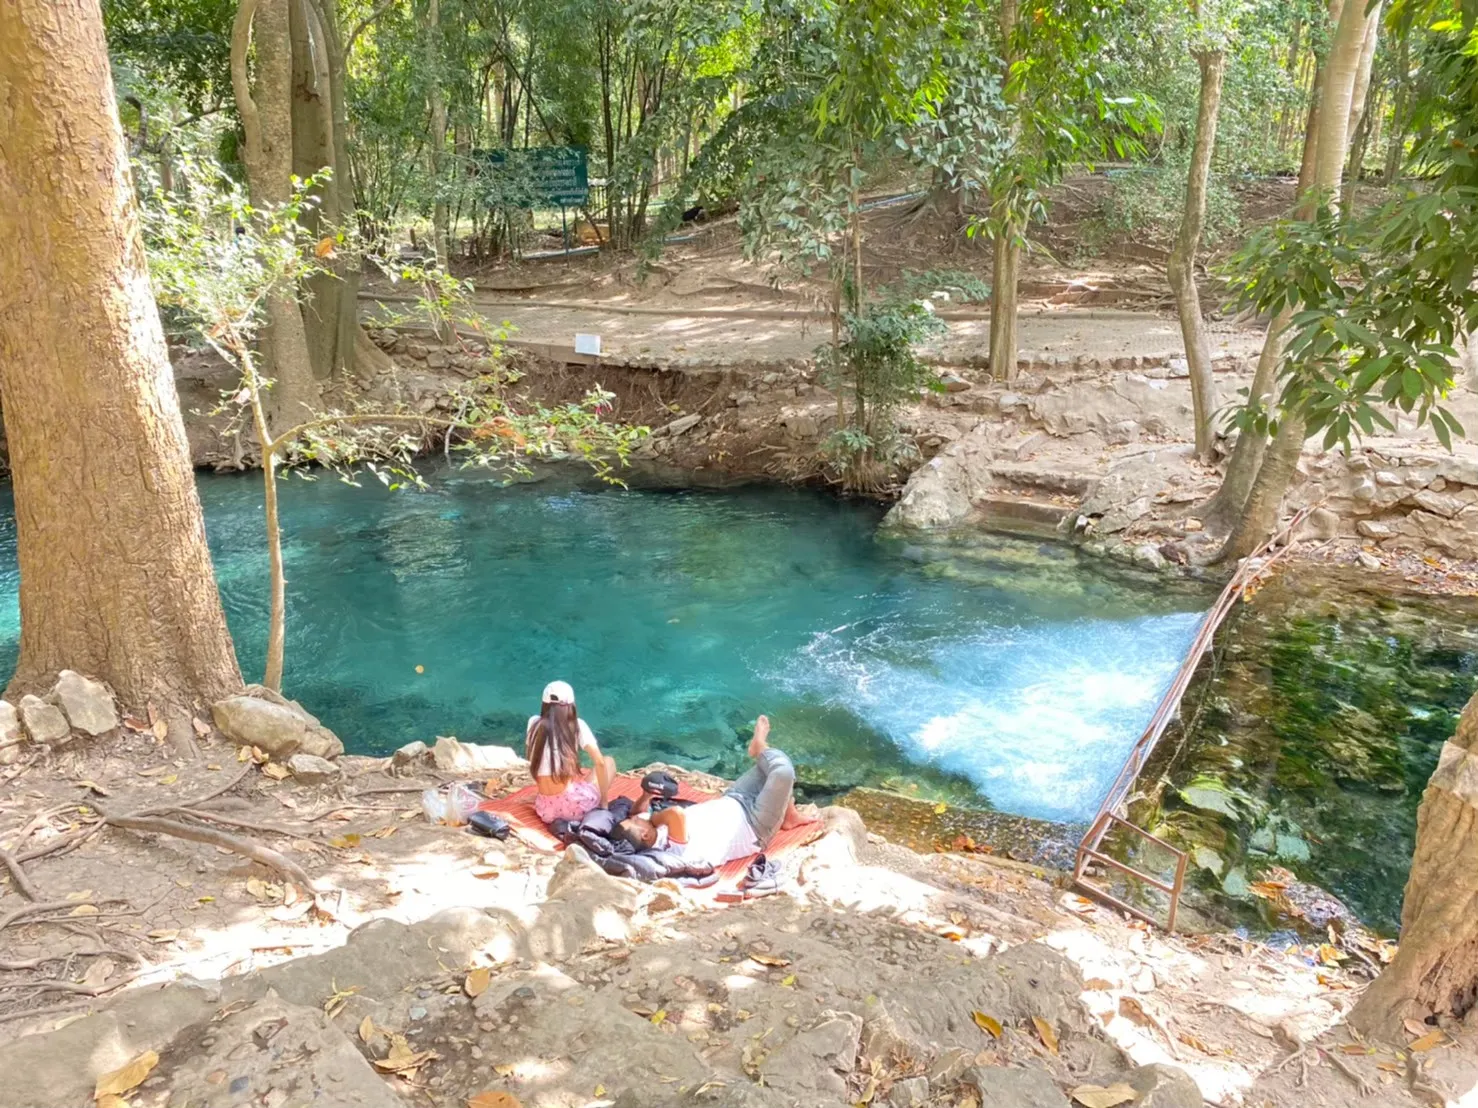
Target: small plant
point(1150, 198)
point(876, 363)
point(957, 285)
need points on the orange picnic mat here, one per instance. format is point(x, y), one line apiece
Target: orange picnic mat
point(518, 809)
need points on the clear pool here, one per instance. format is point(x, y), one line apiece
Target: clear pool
point(985, 670)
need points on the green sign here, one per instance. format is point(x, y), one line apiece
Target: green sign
point(557, 175)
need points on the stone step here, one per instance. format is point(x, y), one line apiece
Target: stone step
point(1026, 476)
point(1019, 515)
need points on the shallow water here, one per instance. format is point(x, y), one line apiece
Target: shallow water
point(1315, 738)
point(990, 672)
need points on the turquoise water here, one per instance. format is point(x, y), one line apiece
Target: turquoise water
point(993, 671)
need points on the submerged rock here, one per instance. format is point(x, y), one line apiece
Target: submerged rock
point(271, 722)
point(88, 704)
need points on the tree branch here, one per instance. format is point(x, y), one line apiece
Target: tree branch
point(211, 837)
point(22, 882)
point(246, 107)
point(365, 24)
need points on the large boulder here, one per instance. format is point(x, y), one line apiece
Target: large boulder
point(44, 722)
point(87, 704)
point(811, 1067)
point(271, 722)
point(312, 770)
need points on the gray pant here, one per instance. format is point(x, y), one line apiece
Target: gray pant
point(765, 793)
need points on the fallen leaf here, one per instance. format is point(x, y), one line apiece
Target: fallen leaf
point(201, 727)
point(260, 756)
point(788, 981)
point(126, 1077)
point(1415, 1028)
point(1428, 1041)
point(494, 1098)
point(324, 247)
point(969, 1102)
point(1331, 956)
point(486, 874)
point(286, 913)
point(384, 832)
point(659, 1016)
point(1191, 1041)
point(152, 771)
point(366, 1029)
point(108, 1100)
point(243, 753)
point(405, 1063)
point(940, 809)
point(344, 842)
point(275, 770)
point(164, 935)
point(504, 1069)
point(85, 894)
point(769, 960)
point(84, 910)
point(1044, 1029)
point(987, 1023)
point(136, 724)
point(169, 778)
point(206, 899)
point(160, 729)
point(1390, 1067)
point(1100, 1096)
point(476, 982)
point(600, 1090)
point(1098, 984)
point(94, 786)
point(1356, 1048)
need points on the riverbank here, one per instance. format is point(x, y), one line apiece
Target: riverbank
point(1089, 450)
point(541, 978)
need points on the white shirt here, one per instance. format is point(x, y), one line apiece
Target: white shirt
point(546, 764)
point(718, 832)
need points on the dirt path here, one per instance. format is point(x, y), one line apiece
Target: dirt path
point(740, 332)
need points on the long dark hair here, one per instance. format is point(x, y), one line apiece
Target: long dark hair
point(558, 730)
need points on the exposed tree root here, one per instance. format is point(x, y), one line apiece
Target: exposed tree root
point(37, 1013)
point(23, 883)
point(211, 837)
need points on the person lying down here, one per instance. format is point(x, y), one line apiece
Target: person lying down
point(737, 824)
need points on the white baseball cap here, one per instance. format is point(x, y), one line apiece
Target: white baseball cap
point(558, 692)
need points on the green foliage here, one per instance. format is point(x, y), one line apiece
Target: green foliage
point(961, 287)
point(877, 365)
point(1150, 199)
point(1380, 300)
point(184, 45)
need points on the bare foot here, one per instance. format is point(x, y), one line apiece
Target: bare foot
point(800, 814)
point(761, 741)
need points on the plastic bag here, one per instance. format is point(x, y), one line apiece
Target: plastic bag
point(450, 804)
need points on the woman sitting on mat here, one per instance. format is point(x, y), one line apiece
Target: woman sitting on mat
point(554, 740)
point(735, 825)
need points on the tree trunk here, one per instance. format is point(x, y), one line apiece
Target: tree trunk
point(1006, 267)
point(1435, 972)
point(436, 102)
point(313, 151)
point(1004, 270)
point(1355, 135)
point(1347, 65)
point(115, 577)
point(265, 107)
point(1181, 268)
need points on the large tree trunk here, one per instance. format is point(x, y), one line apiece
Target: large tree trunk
point(1181, 268)
point(265, 107)
point(1435, 973)
point(1345, 69)
point(115, 577)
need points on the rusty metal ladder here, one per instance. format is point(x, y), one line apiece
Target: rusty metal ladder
point(1112, 813)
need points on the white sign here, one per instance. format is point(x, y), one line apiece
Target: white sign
point(587, 344)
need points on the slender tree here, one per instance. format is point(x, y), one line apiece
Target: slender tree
point(1343, 75)
point(1181, 268)
point(115, 577)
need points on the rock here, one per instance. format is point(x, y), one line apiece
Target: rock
point(87, 704)
point(1439, 503)
point(1373, 529)
point(681, 425)
point(801, 425)
point(1147, 554)
point(953, 382)
point(1010, 1087)
point(1387, 478)
point(744, 399)
point(1121, 433)
point(1321, 524)
point(459, 757)
point(1010, 401)
point(436, 359)
point(11, 735)
point(1193, 524)
point(883, 1037)
point(912, 1092)
point(44, 722)
point(1368, 560)
point(1164, 1087)
point(410, 754)
point(585, 903)
point(311, 769)
point(271, 722)
point(810, 1065)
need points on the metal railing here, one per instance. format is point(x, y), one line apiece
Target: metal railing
point(1111, 812)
